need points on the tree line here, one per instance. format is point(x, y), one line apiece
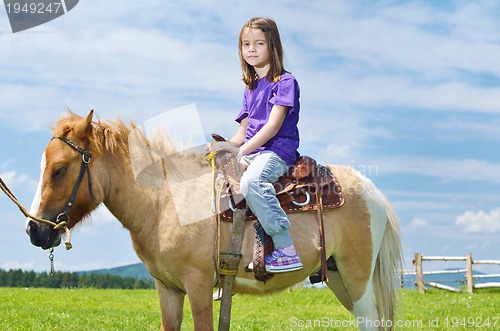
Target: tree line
point(20, 278)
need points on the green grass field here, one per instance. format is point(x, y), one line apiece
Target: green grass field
point(299, 309)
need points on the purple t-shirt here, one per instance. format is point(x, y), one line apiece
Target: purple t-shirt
point(257, 105)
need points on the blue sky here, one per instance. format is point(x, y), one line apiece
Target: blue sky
point(407, 92)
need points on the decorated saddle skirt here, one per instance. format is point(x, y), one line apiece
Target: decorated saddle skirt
point(299, 190)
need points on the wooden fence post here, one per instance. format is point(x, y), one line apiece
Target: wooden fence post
point(418, 273)
point(468, 274)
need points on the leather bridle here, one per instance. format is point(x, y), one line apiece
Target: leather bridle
point(84, 168)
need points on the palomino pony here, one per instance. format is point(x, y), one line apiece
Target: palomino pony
point(362, 236)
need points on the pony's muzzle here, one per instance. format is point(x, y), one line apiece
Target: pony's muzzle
point(43, 235)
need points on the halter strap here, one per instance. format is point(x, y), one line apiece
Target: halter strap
point(76, 147)
point(84, 168)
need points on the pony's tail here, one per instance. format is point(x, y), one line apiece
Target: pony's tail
point(386, 281)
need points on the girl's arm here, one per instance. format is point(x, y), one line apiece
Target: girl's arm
point(239, 138)
point(269, 130)
point(232, 145)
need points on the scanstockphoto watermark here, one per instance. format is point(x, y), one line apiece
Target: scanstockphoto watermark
point(332, 323)
point(156, 149)
point(434, 323)
point(367, 170)
point(25, 15)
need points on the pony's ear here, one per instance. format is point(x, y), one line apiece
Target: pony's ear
point(85, 123)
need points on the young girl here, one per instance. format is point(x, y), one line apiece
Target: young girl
point(268, 138)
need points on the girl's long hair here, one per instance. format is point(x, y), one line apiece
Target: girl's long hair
point(270, 29)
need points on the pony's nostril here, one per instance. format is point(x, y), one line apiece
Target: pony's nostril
point(31, 228)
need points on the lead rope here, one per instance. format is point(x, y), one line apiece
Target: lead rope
point(57, 226)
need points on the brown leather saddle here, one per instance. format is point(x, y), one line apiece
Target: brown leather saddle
point(307, 186)
point(297, 190)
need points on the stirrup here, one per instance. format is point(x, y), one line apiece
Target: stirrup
point(217, 296)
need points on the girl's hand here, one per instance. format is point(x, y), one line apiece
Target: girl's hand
point(220, 146)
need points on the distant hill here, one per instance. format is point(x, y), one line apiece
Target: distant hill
point(137, 270)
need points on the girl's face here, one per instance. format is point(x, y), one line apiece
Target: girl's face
point(255, 49)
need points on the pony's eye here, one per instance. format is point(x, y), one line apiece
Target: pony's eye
point(58, 172)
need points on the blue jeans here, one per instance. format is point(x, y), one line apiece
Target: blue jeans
point(264, 169)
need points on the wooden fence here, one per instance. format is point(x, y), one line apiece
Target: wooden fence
point(419, 273)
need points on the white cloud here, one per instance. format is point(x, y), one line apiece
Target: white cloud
point(419, 223)
point(479, 222)
point(136, 68)
point(410, 36)
point(444, 169)
point(341, 153)
point(485, 129)
point(102, 221)
point(341, 88)
point(14, 265)
point(348, 54)
point(14, 180)
point(408, 55)
point(103, 215)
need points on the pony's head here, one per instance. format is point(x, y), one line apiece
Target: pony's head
point(65, 190)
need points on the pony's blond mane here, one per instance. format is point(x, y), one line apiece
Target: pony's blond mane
point(113, 135)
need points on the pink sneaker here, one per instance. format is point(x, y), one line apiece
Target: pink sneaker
point(278, 261)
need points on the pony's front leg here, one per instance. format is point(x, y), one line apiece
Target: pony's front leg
point(172, 305)
point(199, 289)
